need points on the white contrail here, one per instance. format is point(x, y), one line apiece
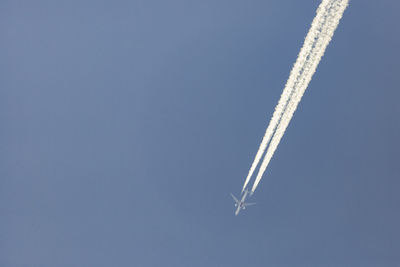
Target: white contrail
point(284, 119)
point(333, 15)
point(289, 87)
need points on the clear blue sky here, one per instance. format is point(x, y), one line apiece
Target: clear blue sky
point(126, 124)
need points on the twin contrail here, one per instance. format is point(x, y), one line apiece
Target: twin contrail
point(322, 28)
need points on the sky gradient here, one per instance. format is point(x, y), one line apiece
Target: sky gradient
point(126, 124)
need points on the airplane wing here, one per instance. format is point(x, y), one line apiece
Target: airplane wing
point(249, 204)
point(234, 198)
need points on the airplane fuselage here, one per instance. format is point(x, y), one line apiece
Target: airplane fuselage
point(241, 205)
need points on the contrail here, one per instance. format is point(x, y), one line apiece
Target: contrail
point(332, 12)
point(312, 35)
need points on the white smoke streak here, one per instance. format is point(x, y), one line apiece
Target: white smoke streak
point(290, 85)
point(333, 15)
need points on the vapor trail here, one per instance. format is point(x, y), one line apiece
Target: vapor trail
point(333, 13)
point(289, 87)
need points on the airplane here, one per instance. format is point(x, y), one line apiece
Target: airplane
point(241, 205)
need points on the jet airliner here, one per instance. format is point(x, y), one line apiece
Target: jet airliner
point(241, 205)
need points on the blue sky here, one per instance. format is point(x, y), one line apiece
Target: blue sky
point(126, 124)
